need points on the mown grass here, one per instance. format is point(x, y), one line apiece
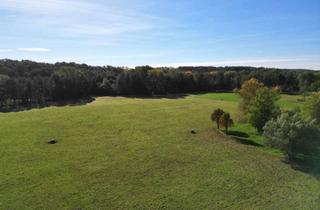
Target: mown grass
point(120, 153)
point(288, 102)
point(220, 96)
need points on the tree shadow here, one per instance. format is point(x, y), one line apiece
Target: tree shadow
point(243, 138)
point(78, 102)
point(246, 141)
point(310, 167)
point(238, 134)
point(29, 106)
point(166, 96)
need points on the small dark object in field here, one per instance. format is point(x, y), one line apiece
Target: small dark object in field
point(52, 141)
point(193, 132)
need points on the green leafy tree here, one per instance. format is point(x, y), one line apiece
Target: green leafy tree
point(3, 90)
point(263, 108)
point(305, 80)
point(28, 82)
point(315, 86)
point(311, 108)
point(107, 86)
point(226, 121)
point(248, 92)
point(215, 116)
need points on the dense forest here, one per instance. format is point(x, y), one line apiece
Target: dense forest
point(27, 82)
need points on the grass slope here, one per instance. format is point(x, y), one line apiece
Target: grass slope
point(120, 153)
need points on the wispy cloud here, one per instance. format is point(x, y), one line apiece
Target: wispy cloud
point(34, 49)
point(76, 18)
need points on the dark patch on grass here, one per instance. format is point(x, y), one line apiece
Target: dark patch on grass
point(166, 96)
point(311, 167)
point(241, 138)
point(246, 141)
point(29, 106)
point(238, 134)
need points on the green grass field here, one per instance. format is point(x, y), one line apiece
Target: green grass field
point(126, 153)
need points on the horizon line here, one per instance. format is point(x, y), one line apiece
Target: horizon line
point(173, 65)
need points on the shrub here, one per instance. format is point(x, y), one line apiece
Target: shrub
point(290, 133)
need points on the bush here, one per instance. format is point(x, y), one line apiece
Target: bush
point(290, 133)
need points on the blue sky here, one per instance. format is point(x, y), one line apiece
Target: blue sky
point(271, 33)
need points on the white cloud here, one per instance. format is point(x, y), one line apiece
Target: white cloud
point(80, 18)
point(34, 49)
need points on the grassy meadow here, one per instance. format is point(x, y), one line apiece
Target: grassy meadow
point(133, 153)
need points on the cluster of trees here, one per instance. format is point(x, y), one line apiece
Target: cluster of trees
point(295, 132)
point(222, 119)
point(23, 82)
point(28, 82)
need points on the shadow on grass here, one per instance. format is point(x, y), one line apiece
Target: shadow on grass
point(78, 102)
point(310, 167)
point(238, 134)
point(246, 141)
point(29, 106)
point(240, 137)
point(243, 138)
point(167, 96)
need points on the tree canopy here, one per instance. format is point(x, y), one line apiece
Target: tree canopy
point(248, 92)
point(25, 82)
point(263, 107)
point(312, 107)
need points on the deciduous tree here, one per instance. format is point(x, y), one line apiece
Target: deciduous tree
point(312, 107)
point(263, 107)
point(248, 92)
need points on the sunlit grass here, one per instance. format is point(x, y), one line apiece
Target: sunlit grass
point(125, 153)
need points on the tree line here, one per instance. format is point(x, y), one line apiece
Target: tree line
point(25, 82)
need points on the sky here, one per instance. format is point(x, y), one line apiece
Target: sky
point(269, 33)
